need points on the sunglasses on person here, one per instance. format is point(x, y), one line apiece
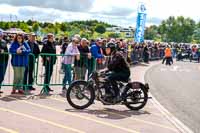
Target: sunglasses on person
point(76, 42)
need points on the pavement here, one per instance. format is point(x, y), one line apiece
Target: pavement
point(177, 89)
point(52, 114)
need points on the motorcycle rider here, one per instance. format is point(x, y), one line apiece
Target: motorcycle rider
point(118, 70)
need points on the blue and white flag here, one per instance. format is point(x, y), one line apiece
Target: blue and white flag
point(140, 24)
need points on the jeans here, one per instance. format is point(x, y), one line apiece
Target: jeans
point(80, 72)
point(48, 73)
point(3, 68)
point(91, 66)
point(18, 77)
point(117, 76)
point(28, 75)
point(68, 74)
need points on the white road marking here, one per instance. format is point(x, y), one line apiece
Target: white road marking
point(175, 69)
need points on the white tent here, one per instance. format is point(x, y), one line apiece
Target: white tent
point(14, 31)
point(1, 30)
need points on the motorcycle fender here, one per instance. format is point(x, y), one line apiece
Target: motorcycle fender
point(136, 85)
point(76, 81)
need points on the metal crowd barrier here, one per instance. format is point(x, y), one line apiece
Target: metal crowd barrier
point(51, 69)
point(47, 66)
point(154, 54)
point(18, 70)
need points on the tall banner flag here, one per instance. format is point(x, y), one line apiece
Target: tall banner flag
point(140, 24)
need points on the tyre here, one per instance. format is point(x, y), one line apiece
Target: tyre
point(136, 98)
point(80, 95)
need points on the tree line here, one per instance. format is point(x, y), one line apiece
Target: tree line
point(173, 29)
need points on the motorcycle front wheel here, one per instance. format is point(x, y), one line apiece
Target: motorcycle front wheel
point(80, 95)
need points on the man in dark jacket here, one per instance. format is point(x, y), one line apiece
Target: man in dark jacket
point(64, 45)
point(49, 59)
point(3, 59)
point(35, 51)
point(119, 71)
point(82, 64)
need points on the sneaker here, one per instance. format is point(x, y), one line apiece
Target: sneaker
point(49, 89)
point(64, 88)
point(13, 91)
point(32, 89)
point(21, 92)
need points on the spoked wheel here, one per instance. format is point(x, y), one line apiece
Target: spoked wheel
point(80, 95)
point(136, 98)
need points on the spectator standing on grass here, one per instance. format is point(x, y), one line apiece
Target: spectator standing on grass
point(20, 52)
point(35, 51)
point(68, 59)
point(3, 59)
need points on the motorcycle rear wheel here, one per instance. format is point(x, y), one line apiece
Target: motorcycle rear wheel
point(135, 95)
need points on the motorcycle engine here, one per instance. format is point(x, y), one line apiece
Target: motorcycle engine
point(107, 93)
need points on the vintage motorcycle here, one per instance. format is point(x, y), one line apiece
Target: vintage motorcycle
point(81, 94)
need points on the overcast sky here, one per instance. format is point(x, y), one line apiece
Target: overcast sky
point(118, 12)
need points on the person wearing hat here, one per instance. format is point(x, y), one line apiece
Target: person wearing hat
point(118, 70)
point(71, 53)
point(78, 37)
point(49, 61)
point(112, 46)
point(97, 52)
point(82, 64)
point(3, 59)
point(35, 51)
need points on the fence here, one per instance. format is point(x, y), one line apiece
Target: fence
point(46, 70)
point(24, 71)
point(15, 69)
point(136, 55)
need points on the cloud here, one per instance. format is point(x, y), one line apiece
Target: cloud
point(67, 5)
point(54, 15)
point(117, 11)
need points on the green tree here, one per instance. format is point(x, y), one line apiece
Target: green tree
point(113, 35)
point(63, 27)
point(35, 26)
point(178, 29)
point(7, 26)
point(24, 27)
point(196, 35)
point(30, 22)
point(100, 28)
point(151, 32)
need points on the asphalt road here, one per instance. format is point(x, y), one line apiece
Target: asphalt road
point(177, 88)
point(52, 114)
